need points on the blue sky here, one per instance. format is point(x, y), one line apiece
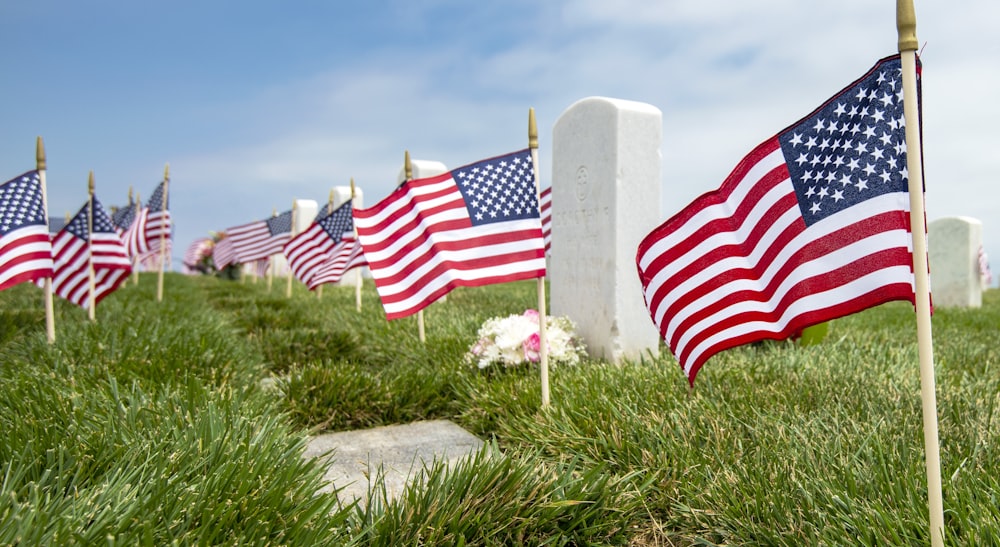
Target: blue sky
point(254, 104)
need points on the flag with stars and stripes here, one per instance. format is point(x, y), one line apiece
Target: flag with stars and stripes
point(475, 225)
point(157, 221)
point(195, 252)
point(261, 239)
point(812, 225)
point(309, 251)
point(545, 207)
point(25, 244)
point(77, 248)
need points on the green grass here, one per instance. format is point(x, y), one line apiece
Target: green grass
point(150, 428)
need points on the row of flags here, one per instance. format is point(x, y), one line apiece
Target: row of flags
point(93, 252)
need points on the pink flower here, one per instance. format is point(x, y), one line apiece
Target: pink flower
point(532, 315)
point(532, 345)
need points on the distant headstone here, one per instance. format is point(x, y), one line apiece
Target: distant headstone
point(305, 213)
point(341, 195)
point(421, 169)
point(605, 199)
point(953, 245)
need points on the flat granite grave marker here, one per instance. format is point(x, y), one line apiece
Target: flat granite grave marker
point(953, 245)
point(605, 199)
point(401, 451)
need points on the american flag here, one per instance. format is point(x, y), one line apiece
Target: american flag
point(75, 248)
point(196, 251)
point(157, 221)
point(25, 245)
point(261, 239)
point(223, 253)
point(812, 225)
point(545, 204)
point(345, 256)
point(310, 250)
point(475, 225)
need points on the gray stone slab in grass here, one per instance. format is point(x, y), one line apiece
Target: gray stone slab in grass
point(400, 450)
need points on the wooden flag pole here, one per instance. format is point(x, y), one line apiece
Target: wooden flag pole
point(329, 209)
point(50, 317)
point(91, 289)
point(163, 234)
point(288, 286)
point(543, 352)
point(270, 270)
point(906, 26)
point(135, 217)
point(408, 169)
point(135, 259)
point(357, 270)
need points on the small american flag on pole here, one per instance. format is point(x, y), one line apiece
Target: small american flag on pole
point(812, 225)
point(157, 221)
point(475, 225)
point(75, 248)
point(261, 239)
point(25, 245)
point(309, 251)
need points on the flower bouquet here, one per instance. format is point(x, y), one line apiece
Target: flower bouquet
point(514, 340)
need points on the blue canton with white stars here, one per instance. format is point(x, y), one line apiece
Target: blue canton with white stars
point(499, 189)
point(280, 224)
point(156, 201)
point(21, 203)
point(852, 149)
point(338, 222)
point(124, 216)
point(102, 222)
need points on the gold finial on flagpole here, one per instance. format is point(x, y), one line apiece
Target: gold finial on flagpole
point(90, 184)
point(39, 154)
point(352, 189)
point(130, 195)
point(532, 129)
point(166, 171)
point(407, 165)
point(329, 202)
point(906, 25)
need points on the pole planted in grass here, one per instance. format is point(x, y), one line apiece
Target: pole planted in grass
point(40, 165)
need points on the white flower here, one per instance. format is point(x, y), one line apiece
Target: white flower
point(514, 340)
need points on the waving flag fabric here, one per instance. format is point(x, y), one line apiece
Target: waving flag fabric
point(345, 256)
point(157, 221)
point(310, 250)
point(261, 239)
point(25, 245)
point(475, 225)
point(545, 206)
point(223, 253)
point(75, 248)
point(195, 252)
point(812, 225)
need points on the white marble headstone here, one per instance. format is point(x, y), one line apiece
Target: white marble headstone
point(305, 213)
point(953, 248)
point(605, 199)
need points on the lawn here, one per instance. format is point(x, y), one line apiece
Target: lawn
point(152, 427)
